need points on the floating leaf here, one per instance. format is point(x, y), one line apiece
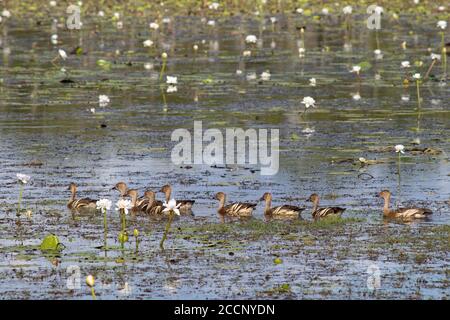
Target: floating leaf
point(277, 261)
point(103, 64)
point(51, 243)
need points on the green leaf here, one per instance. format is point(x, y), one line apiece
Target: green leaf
point(51, 243)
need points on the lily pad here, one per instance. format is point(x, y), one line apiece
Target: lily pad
point(51, 243)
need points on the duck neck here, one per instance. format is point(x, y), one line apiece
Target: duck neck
point(151, 200)
point(386, 209)
point(168, 194)
point(133, 200)
point(268, 205)
point(315, 205)
point(73, 195)
point(221, 203)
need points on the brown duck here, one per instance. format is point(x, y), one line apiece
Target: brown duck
point(284, 210)
point(139, 204)
point(186, 205)
point(122, 188)
point(237, 209)
point(404, 213)
point(152, 206)
point(76, 204)
point(318, 213)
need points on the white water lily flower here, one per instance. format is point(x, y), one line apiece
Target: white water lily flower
point(308, 131)
point(171, 89)
point(400, 148)
point(214, 6)
point(211, 23)
point(406, 64)
point(325, 11)
point(6, 13)
point(195, 47)
point(299, 10)
point(442, 24)
point(62, 54)
point(435, 56)
point(356, 69)
point(148, 66)
point(166, 20)
point(416, 76)
point(116, 15)
point(273, 20)
point(247, 53)
point(265, 75)
point(172, 206)
point(147, 43)
point(92, 110)
point(301, 52)
point(405, 97)
point(119, 25)
point(356, 96)
point(52, 3)
point(101, 13)
point(103, 100)
point(171, 80)
point(23, 178)
point(124, 205)
point(347, 10)
point(251, 38)
point(104, 204)
point(362, 160)
point(238, 72)
point(54, 39)
point(308, 102)
point(154, 26)
point(441, 8)
point(90, 281)
point(312, 82)
point(378, 54)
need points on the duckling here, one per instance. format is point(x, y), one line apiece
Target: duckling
point(284, 210)
point(186, 205)
point(405, 213)
point(122, 188)
point(152, 206)
point(237, 209)
point(76, 204)
point(318, 213)
point(138, 203)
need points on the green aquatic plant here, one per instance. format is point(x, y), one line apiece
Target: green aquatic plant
point(171, 208)
point(123, 206)
point(90, 281)
point(136, 237)
point(104, 205)
point(23, 180)
point(51, 243)
point(399, 149)
point(163, 68)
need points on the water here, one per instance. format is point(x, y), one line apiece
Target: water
point(48, 132)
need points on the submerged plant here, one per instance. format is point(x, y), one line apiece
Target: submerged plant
point(23, 180)
point(417, 77)
point(442, 24)
point(171, 208)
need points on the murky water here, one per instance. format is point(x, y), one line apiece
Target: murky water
point(48, 132)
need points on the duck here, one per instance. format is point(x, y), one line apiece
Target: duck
point(404, 213)
point(76, 204)
point(237, 209)
point(139, 204)
point(186, 205)
point(280, 211)
point(122, 188)
point(318, 213)
point(152, 206)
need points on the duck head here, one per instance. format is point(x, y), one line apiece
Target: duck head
point(313, 198)
point(385, 194)
point(266, 197)
point(121, 187)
